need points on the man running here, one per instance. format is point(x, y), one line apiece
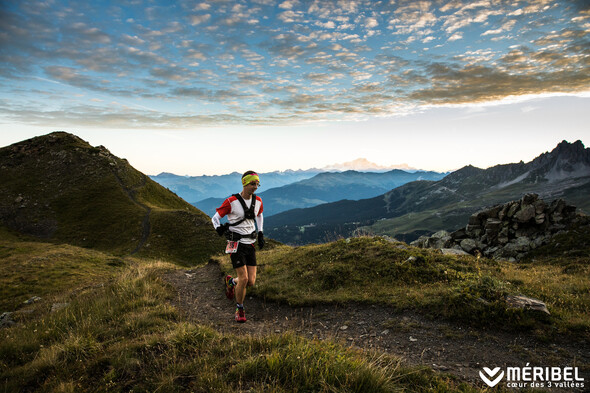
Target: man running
point(244, 215)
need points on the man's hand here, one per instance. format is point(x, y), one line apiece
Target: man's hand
point(261, 240)
point(222, 228)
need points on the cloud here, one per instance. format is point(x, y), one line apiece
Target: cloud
point(456, 36)
point(220, 95)
point(290, 16)
point(371, 23)
point(287, 60)
point(453, 84)
point(199, 19)
point(505, 27)
point(288, 4)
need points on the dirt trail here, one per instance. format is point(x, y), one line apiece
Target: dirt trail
point(443, 346)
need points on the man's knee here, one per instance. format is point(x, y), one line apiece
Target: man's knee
point(251, 281)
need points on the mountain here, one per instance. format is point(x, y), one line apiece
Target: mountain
point(328, 187)
point(59, 188)
point(205, 191)
point(426, 206)
point(198, 188)
point(364, 165)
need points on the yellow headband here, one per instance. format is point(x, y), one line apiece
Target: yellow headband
point(250, 178)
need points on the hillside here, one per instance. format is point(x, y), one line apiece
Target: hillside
point(328, 187)
point(59, 188)
point(428, 206)
point(94, 322)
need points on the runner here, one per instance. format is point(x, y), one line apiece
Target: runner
point(244, 214)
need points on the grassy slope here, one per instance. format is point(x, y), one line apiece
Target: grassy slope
point(454, 215)
point(461, 288)
point(70, 192)
point(121, 334)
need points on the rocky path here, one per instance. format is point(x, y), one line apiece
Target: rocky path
point(443, 346)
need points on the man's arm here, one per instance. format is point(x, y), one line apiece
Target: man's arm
point(259, 222)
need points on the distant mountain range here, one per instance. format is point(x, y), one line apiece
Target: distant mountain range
point(327, 187)
point(198, 190)
point(425, 206)
point(364, 165)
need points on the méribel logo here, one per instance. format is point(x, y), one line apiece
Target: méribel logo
point(489, 375)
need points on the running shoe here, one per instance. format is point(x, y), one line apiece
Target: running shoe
point(240, 315)
point(229, 287)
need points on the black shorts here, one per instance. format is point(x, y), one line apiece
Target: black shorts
point(245, 256)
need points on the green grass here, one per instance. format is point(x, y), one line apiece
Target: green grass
point(30, 268)
point(458, 288)
point(182, 237)
point(125, 336)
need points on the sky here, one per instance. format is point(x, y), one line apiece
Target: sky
point(212, 87)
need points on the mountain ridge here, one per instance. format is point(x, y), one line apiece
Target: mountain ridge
point(446, 203)
point(327, 187)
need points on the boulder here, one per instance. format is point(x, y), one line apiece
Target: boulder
point(459, 234)
point(420, 242)
point(468, 245)
point(440, 234)
point(6, 319)
point(453, 251)
point(526, 303)
point(525, 214)
point(513, 209)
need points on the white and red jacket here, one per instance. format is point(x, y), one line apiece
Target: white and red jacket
point(232, 208)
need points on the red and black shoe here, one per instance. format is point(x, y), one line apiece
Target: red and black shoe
point(229, 287)
point(240, 315)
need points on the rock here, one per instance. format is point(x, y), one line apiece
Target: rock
point(468, 245)
point(473, 230)
point(475, 219)
point(513, 209)
point(508, 230)
point(540, 206)
point(343, 327)
point(419, 242)
point(440, 234)
point(493, 224)
point(526, 303)
point(494, 211)
point(6, 320)
point(453, 251)
point(32, 300)
point(459, 234)
point(529, 199)
point(525, 214)
point(19, 199)
point(58, 306)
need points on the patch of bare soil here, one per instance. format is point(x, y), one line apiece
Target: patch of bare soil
point(446, 347)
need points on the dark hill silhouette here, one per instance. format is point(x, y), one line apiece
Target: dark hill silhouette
point(60, 188)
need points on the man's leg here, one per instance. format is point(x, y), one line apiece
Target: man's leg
point(242, 283)
point(251, 275)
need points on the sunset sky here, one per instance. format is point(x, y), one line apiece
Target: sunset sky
point(211, 87)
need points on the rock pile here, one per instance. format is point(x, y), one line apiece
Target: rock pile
point(507, 231)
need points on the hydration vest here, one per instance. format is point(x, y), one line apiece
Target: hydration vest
point(249, 212)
